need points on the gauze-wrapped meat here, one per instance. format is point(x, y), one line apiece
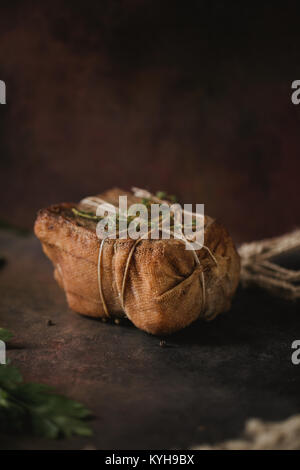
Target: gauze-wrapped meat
point(164, 290)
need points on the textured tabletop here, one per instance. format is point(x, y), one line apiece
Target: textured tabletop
point(200, 387)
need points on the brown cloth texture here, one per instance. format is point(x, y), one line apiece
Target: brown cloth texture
point(166, 290)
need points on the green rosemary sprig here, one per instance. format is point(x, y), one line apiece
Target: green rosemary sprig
point(86, 215)
point(168, 197)
point(147, 202)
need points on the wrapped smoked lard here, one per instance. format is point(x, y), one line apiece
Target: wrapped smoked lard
point(159, 285)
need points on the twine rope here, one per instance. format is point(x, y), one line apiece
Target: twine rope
point(261, 435)
point(259, 268)
point(99, 269)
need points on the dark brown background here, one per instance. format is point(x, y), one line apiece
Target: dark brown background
point(190, 97)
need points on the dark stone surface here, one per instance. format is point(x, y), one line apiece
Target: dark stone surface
point(199, 387)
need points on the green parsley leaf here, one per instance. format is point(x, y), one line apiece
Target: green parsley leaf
point(36, 409)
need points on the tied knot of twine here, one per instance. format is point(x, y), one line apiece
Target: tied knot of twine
point(259, 266)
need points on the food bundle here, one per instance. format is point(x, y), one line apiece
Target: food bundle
point(158, 284)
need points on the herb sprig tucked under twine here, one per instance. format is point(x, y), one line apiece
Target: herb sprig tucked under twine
point(160, 197)
point(86, 215)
